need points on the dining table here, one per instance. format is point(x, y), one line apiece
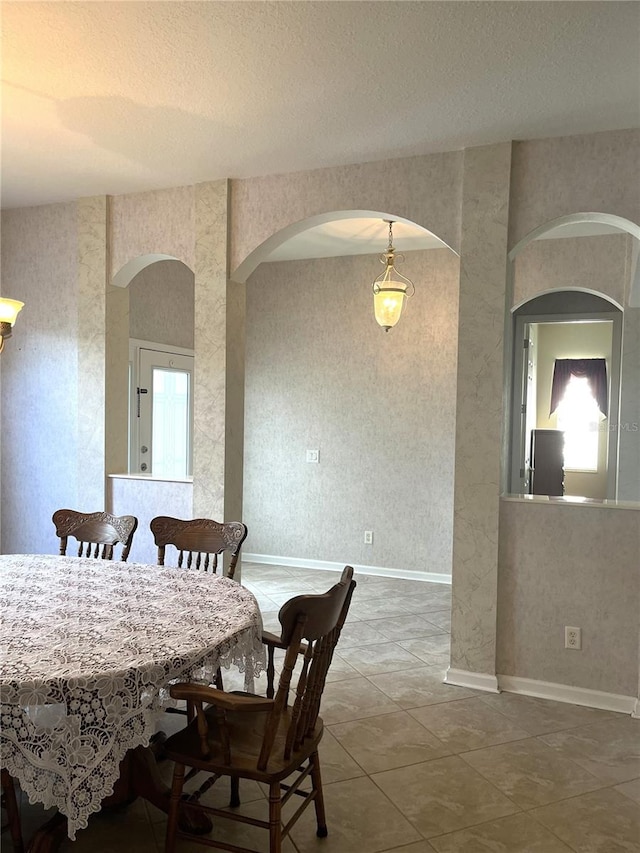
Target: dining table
point(89, 649)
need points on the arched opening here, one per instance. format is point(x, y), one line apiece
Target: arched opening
point(574, 285)
point(372, 412)
point(159, 293)
point(340, 232)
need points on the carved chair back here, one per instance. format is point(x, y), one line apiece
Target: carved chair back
point(199, 541)
point(96, 532)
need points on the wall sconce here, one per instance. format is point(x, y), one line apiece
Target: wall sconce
point(390, 289)
point(9, 310)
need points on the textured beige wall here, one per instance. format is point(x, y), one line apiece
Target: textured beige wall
point(574, 174)
point(40, 406)
point(569, 565)
point(160, 222)
point(161, 304)
point(425, 190)
point(591, 263)
point(321, 374)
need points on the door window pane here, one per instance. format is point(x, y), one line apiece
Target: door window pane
point(170, 423)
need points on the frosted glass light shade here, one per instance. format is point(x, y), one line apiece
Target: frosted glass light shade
point(388, 302)
point(9, 310)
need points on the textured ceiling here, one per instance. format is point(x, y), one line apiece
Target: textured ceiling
point(116, 97)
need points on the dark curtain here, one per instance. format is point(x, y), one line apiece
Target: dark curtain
point(594, 369)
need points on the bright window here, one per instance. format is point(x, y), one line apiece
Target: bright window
point(170, 419)
point(579, 418)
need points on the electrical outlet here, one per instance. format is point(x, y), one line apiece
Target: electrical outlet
point(572, 638)
point(368, 537)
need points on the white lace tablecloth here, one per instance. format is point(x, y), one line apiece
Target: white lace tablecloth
point(88, 648)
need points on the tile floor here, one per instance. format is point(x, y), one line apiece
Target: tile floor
point(411, 765)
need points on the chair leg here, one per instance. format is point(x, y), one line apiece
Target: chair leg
point(316, 780)
point(174, 805)
point(13, 812)
point(275, 819)
point(271, 672)
point(217, 680)
point(235, 792)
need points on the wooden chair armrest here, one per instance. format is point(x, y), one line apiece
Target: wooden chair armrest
point(200, 694)
point(272, 640)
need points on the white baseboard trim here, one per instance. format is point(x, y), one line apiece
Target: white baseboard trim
point(636, 710)
point(567, 693)
point(474, 680)
point(302, 563)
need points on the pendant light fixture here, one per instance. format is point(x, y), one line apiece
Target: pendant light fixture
point(9, 310)
point(390, 289)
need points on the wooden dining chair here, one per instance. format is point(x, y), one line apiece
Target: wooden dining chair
point(199, 541)
point(96, 532)
point(265, 739)
point(10, 804)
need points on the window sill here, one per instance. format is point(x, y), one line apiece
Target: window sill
point(151, 477)
point(571, 500)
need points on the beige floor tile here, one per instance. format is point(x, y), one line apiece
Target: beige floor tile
point(270, 621)
point(336, 764)
point(359, 634)
point(360, 819)
point(432, 650)
point(602, 822)
point(467, 724)
point(378, 588)
point(541, 716)
point(404, 628)
point(630, 789)
point(383, 743)
point(378, 608)
point(443, 795)
point(418, 687)
point(515, 834)
point(418, 847)
point(531, 773)
point(441, 618)
point(340, 670)
point(290, 585)
point(353, 700)
point(610, 749)
point(383, 657)
point(424, 604)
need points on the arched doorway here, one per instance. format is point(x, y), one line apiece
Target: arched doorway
point(155, 293)
point(373, 412)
